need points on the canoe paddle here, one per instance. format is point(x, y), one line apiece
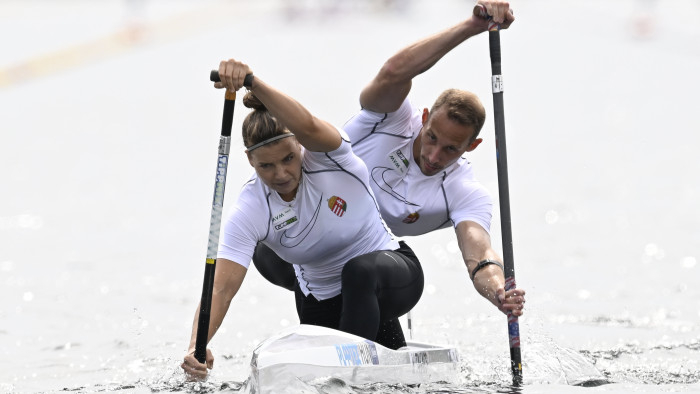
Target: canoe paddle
point(200, 352)
point(503, 192)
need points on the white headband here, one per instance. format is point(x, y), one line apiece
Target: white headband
point(269, 140)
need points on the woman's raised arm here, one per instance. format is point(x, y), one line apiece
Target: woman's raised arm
point(313, 133)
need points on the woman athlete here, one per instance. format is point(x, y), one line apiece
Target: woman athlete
point(309, 202)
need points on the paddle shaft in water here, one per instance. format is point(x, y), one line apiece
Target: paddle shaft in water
point(200, 352)
point(503, 191)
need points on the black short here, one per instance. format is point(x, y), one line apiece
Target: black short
point(377, 288)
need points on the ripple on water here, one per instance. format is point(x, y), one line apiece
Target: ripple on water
point(665, 363)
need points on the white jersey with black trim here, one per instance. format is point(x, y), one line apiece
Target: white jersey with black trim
point(333, 218)
point(411, 202)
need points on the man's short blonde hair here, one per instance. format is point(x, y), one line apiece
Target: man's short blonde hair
point(462, 107)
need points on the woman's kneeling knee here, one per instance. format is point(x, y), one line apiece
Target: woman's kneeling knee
point(359, 272)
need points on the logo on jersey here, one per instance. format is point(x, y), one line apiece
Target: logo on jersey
point(285, 223)
point(403, 158)
point(412, 218)
point(337, 205)
point(398, 161)
point(285, 218)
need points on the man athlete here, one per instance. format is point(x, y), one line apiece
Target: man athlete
point(418, 175)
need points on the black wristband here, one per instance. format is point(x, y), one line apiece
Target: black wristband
point(484, 263)
point(248, 81)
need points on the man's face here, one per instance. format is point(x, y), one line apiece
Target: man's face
point(442, 142)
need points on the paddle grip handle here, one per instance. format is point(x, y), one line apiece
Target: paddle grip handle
point(480, 11)
point(247, 81)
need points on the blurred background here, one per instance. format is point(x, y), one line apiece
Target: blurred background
point(109, 132)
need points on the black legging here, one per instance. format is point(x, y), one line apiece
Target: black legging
point(273, 268)
point(377, 288)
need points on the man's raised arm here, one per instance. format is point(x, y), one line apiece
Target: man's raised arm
point(391, 85)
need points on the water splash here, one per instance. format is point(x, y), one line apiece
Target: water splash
point(171, 380)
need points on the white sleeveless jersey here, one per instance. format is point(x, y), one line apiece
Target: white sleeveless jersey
point(333, 218)
point(412, 203)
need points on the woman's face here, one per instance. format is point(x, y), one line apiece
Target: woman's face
point(279, 166)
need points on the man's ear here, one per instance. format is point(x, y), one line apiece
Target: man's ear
point(474, 144)
point(425, 115)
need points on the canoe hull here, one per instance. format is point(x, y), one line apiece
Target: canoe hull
point(307, 352)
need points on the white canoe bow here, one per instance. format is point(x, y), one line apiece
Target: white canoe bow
point(307, 352)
